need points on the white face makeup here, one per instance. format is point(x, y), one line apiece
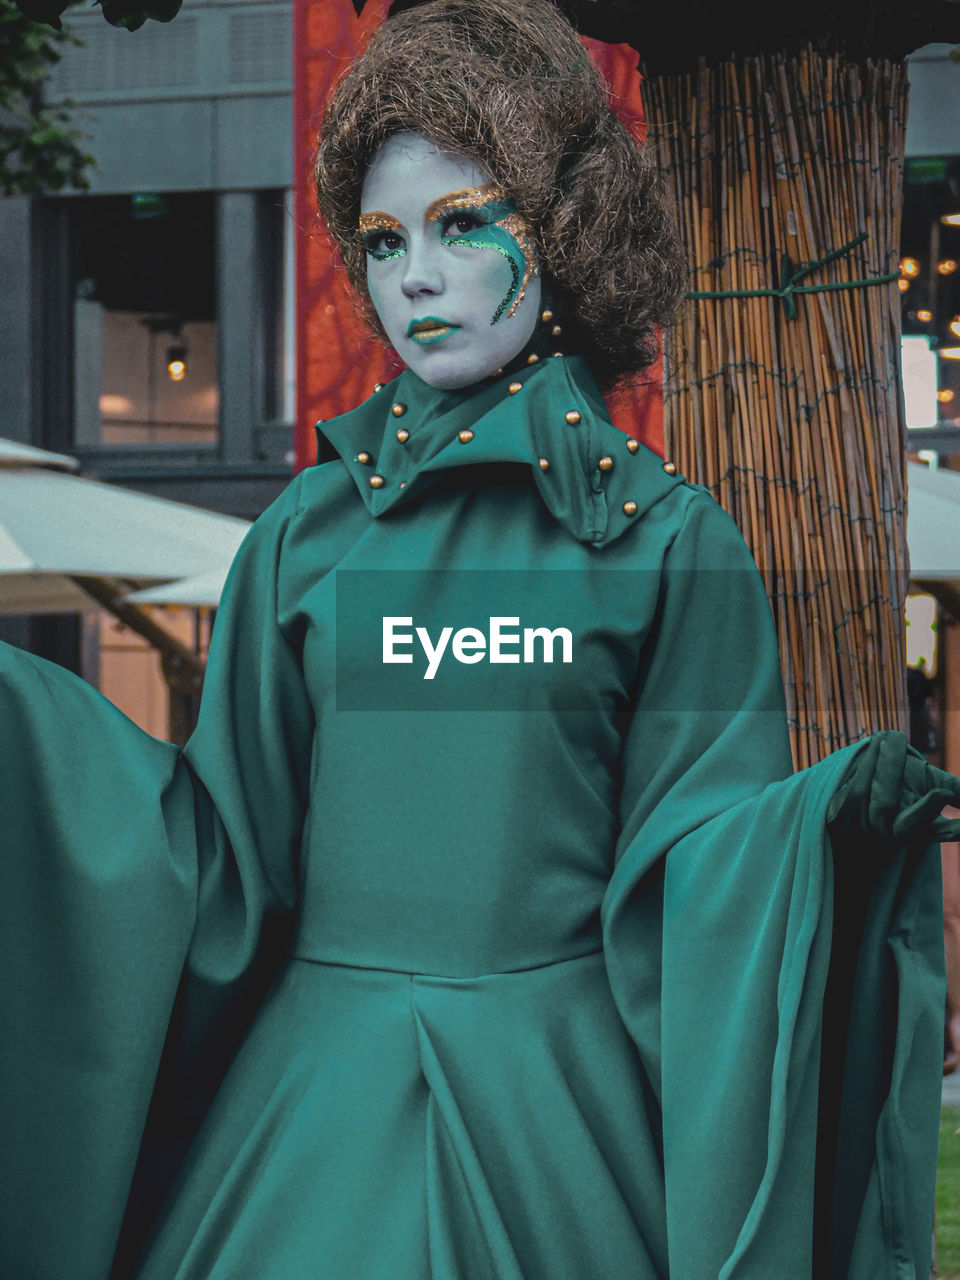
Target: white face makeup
point(450, 266)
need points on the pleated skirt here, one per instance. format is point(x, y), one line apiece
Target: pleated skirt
point(384, 1125)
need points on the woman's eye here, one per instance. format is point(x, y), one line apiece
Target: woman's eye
point(384, 244)
point(459, 224)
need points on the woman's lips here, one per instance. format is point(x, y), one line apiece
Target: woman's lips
point(430, 329)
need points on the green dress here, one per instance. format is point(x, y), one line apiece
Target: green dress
point(526, 971)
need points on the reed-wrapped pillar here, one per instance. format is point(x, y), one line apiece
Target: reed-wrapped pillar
point(782, 379)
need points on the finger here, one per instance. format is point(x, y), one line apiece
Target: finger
point(922, 815)
point(939, 779)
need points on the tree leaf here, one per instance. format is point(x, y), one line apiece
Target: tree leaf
point(46, 11)
point(163, 10)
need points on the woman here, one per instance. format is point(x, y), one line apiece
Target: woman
point(491, 789)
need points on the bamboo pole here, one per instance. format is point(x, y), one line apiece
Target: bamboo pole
point(796, 424)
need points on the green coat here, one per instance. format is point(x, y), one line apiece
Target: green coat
point(528, 970)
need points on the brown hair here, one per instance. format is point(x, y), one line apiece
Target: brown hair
point(508, 84)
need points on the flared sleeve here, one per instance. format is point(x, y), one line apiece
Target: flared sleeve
point(736, 980)
point(129, 871)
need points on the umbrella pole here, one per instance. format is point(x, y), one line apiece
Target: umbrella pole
point(182, 669)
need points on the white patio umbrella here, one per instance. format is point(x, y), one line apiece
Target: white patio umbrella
point(58, 530)
point(202, 591)
point(67, 543)
point(15, 454)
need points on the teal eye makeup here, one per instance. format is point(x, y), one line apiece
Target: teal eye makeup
point(496, 225)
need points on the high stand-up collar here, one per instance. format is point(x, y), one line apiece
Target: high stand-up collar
point(547, 415)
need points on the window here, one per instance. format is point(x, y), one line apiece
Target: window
point(145, 333)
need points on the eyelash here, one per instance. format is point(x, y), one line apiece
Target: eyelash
point(460, 216)
point(375, 241)
point(375, 246)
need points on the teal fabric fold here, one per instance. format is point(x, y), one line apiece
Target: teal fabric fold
point(541, 969)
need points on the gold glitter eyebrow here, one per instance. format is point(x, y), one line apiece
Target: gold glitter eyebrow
point(467, 198)
point(377, 220)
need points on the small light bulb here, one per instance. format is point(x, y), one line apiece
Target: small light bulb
point(903, 285)
point(955, 326)
point(946, 266)
point(949, 353)
point(945, 395)
point(909, 267)
point(924, 316)
point(177, 362)
point(951, 219)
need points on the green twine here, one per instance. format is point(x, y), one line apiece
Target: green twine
point(791, 273)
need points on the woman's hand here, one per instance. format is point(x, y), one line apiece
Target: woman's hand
point(890, 792)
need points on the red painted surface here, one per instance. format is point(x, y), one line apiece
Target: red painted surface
point(337, 362)
point(639, 410)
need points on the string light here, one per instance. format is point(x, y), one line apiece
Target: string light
point(945, 395)
point(909, 267)
point(924, 316)
point(947, 266)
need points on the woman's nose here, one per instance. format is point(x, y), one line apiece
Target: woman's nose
point(423, 274)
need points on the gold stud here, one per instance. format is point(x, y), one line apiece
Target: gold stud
point(546, 316)
point(465, 436)
point(630, 508)
point(670, 468)
point(398, 410)
point(606, 463)
point(403, 435)
point(376, 482)
point(555, 354)
point(632, 445)
point(544, 464)
point(364, 457)
point(556, 331)
point(533, 358)
point(572, 416)
point(378, 386)
point(514, 387)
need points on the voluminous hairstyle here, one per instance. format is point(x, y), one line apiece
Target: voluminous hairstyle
point(507, 84)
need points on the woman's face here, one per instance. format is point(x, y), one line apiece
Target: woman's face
point(451, 269)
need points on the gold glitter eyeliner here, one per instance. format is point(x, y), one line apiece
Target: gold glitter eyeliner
point(471, 198)
point(378, 221)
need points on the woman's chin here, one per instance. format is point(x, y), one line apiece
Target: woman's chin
point(450, 372)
